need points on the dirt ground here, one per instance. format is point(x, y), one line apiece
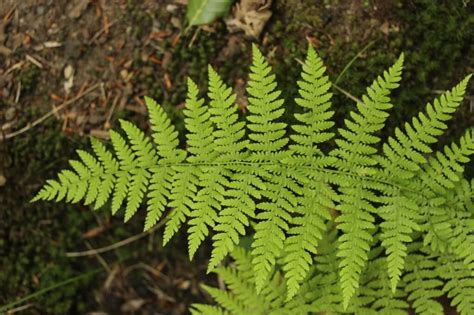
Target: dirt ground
point(70, 69)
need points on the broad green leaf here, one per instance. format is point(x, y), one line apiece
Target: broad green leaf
point(206, 11)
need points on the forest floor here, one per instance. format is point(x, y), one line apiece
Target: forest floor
point(72, 69)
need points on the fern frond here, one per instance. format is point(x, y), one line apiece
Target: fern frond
point(316, 198)
point(458, 218)
point(356, 230)
point(204, 309)
point(126, 161)
point(201, 146)
point(241, 296)
point(401, 217)
point(266, 143)
point(445, 167)
point(422, 284)
point(376, 293)
point(166, 139)
point(111, 166)
point(315, 98)
point(448, 225)
point(460, 283)
point(238, 204)
point(139, 177)
point(404, 160)
point(355, 153)
point(183, 190)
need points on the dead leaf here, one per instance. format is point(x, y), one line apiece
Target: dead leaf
point(5, 50)
point(126, 76)
point(69, 76)
point(167, 80)
point(3, 180)
point(385, 28)
point(184, 285)
point(79, 8)
point(94, 232)
point(250, 16)
point(101, 134)
point(52, 44)
point(132, 305)
point(166, 61)
point(56, 97)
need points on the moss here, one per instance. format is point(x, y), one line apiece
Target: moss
point(28, 78)
point(35, 236)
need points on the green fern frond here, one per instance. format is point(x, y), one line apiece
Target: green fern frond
point(422, 284)
point(356, 230)
point(139, 177)
point(238, 203)
point(201, 146)
point(204, 309)
point(401, 217)
point(459, 215)
point(376, 293)
point(266, 143)
point(445, 167)
point(355, 153)
point(448, 225)
point(315, 98)
point(126, 161)
point(316, 198)
point(183, 190)
point(166, 139)
point(460, 283)
point(404, 159)
point(111, 166)
point(242, 298)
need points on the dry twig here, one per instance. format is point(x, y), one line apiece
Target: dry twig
point(131, 239)
point(49, 114)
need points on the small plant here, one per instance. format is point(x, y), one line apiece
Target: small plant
point(364, 227)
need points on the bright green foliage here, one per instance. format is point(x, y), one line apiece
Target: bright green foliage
point(166, 140)
point(266, 147)
point(355, 152)
point(242, 297)
point(317, 197)
point(369, 227)
point(238, 203)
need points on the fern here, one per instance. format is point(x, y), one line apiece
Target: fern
point(368, 226)
point(355, 153)
point(460, 283)
point(316, 199)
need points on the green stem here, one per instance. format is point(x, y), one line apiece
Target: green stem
point(353, 60)
point(50, 288)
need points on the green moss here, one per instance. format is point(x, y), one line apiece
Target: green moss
point(35, 237)
point(28, 78)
